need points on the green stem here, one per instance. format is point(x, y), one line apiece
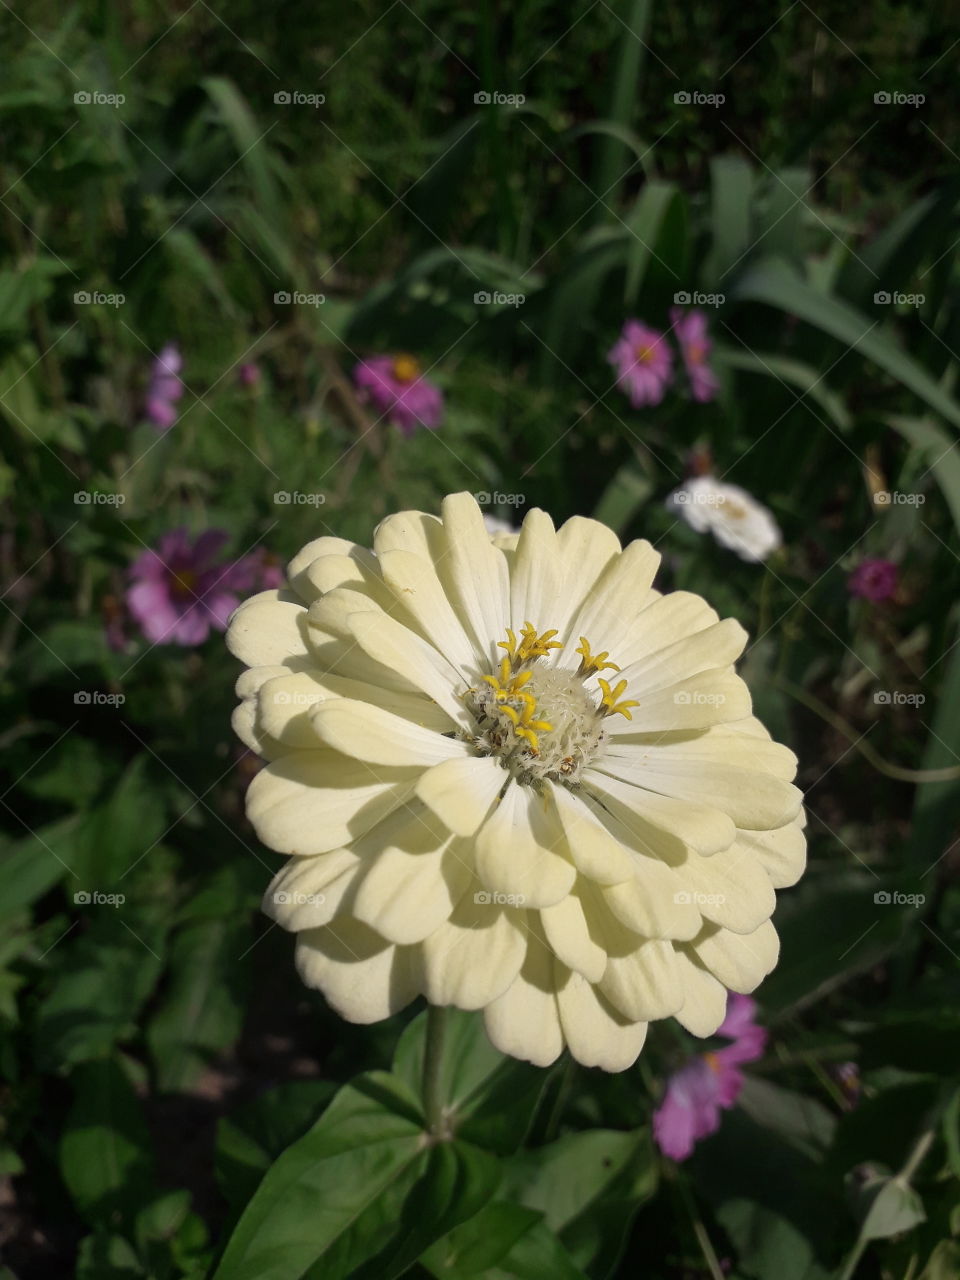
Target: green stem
point(432, 1064)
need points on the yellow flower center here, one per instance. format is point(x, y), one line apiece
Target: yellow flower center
point(696, 352)
point(541, 720)
point(643, 352)
point(406, 369)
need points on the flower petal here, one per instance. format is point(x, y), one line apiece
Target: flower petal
point(596, 1034)
point(517, 850)
point(524, 1022)
point(641, 981)
point(460, 792)
point(369, 733)
point(268, 631)
point(740, 961)
point(307, 893)
point(568, 934)
point(363, 977)
point(478, 578)
point(660, 825)
point(474, 956)
point(593, 850)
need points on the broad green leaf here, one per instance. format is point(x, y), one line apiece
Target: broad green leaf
point(802, 1121)
point(105, 1150)
point(490, 1098)
point(731, 196)
point(627, 492)
point(118, 832)
point(657, 227)
point(778, 285)
point(481, 1242)
point(612, 165)
point(336, 1190)
point(33, 865)
point(536, 1255)
point(796, 373)
point(887, 1207)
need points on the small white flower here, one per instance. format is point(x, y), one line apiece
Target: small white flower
point(732, 515)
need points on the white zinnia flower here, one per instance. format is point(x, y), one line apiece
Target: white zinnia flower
point(482, 807)
point(732, 515)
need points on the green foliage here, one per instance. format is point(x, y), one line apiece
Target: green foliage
point(151, 1024)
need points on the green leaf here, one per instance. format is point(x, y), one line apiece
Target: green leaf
point(657, 225)
point(627, 492)
point(588, 1187)
point(116, 834)
point(481, 1242)
point(887, 1207)
point(537, 1254)
point(731, 196)
point(202, 1010)
point(611, 170)
point(490, 1098)
point(937, 449)
point(793, 372)
point(335, 1191)
point(105, 1149)
point(777, 284)
point(32, 866)
point(801, 1121)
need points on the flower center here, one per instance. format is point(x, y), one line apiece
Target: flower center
point(406, 369)
point(542, 721)
point(183, 583)
point(696, 352)
point(643, 353)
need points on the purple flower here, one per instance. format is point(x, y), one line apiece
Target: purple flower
point(690, 328)
point(266, 568)
point(165, 388)
point(708, 1083)
point(874, 580)
point(249, 374)
point(395, 387)
point(644, 363)
point(181, 590)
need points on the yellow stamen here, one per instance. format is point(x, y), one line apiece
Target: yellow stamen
point(593, 662)
point(406, 369)
point(611, 699)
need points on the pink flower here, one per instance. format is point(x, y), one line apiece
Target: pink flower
point(165, 388)
point(644, 363)
point(874, 580)
point(708, 1083)
point(266, 569)
point(249, 374)
point(690, 328)
point(395, 387)
point(180, 591)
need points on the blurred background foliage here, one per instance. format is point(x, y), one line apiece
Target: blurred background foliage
point(156, 1055)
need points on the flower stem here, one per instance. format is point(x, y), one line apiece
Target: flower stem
point(432, 1064)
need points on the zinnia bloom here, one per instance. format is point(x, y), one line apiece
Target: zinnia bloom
point(180, 590)
point(482, 806)
point(874, 580)
point(695, 1094)
point(732, 515)
point(690, 328)
point(644, 363)
point(165, 388)
point(395, 386)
